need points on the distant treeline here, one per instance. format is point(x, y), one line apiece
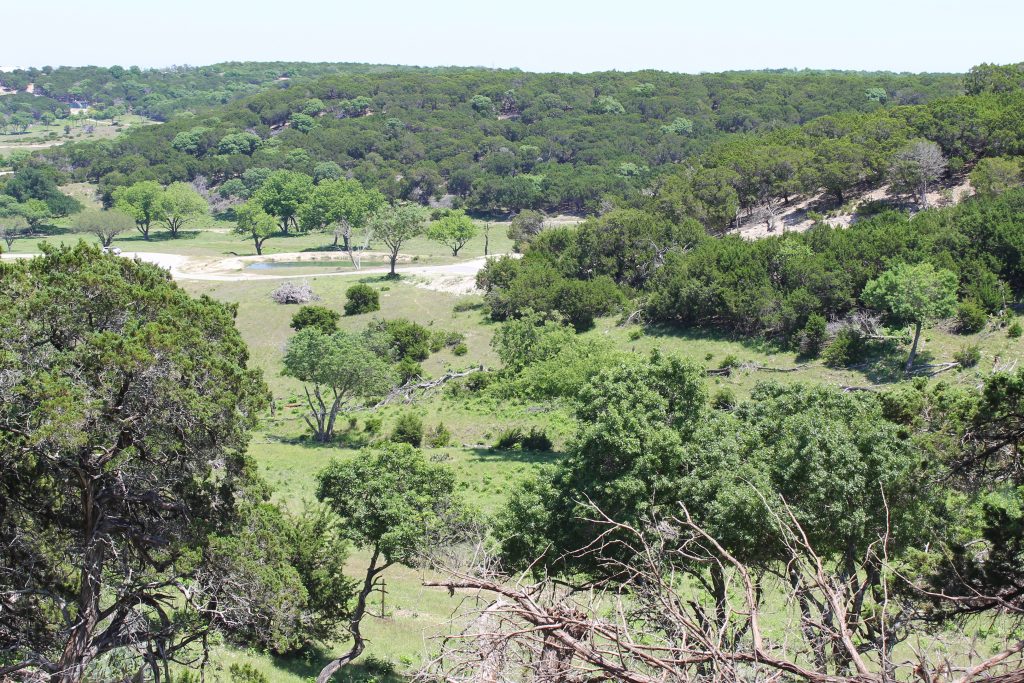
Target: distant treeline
point(498, 141)
point(156, 93)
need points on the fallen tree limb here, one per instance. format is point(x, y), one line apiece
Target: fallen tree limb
point(419, 386)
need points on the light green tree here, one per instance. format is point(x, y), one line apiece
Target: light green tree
point(396, 225)
point(34, 211)
point(180, 204)
point(337, 369)
point(341, 206)
point(106, 225)
point(397, 506)
point(993, 176)
point(255, 223)
point(453, 230)
point(141, 201)
point(913, 294)
point(281, 195)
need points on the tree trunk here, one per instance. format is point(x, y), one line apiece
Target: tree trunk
point(259, 245)
point(358, 644)
point(718, 584)
point(79, 649)
point(144, 229)
point(913, 348)
point(394, 257)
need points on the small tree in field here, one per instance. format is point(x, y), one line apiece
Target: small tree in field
point(11, 228)
point(253, 222)
point(337, 369)
point(397, 506)
point(395, 226)
point(106, 225)
point(180, 204)
point(913, 294)
point(453, 230)
point(141, 201)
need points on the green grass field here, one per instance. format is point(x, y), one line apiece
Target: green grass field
point(40, 135)
point(213, 238)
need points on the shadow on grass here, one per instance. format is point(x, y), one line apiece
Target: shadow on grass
point(485, 454)
point(692, 334)
point(328, 247)
point(161, 236)
point(344, 437)
point(307, 665)
point(886, 360)
point(44, 231)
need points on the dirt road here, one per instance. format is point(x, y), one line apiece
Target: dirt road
point(455, 278)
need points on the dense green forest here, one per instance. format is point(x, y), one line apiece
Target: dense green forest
point(156, 93)
point(498, 140)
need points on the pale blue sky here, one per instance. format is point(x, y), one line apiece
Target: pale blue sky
point(536, 35)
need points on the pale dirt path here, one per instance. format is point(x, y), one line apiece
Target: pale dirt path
point(454, 278)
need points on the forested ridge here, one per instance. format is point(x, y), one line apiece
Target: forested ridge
point(499, 140)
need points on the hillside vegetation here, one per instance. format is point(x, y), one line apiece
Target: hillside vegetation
point(389, 416)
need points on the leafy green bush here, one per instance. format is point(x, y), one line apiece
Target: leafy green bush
point(379, 665)
point(848, 347)
point(361, 298)
point(970, 318)
point(515, 439)
point(372, 425)
point(439, 436)
point(1014, 330)
point(537, 440)
point(636, 333)
point(724, 399)
point(730, 361)
point(318, 317)
point(408, 429)
point(401, 338)
point(968, 356)
point(408, 369)
point(580, 301)
point(460, 349)
point(246, 673)
point(813, 336)
point(509, 439)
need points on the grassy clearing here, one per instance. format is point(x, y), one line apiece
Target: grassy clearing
point(40, 135)
point(214, 237)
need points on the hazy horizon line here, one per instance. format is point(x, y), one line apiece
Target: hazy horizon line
point(189, 65)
